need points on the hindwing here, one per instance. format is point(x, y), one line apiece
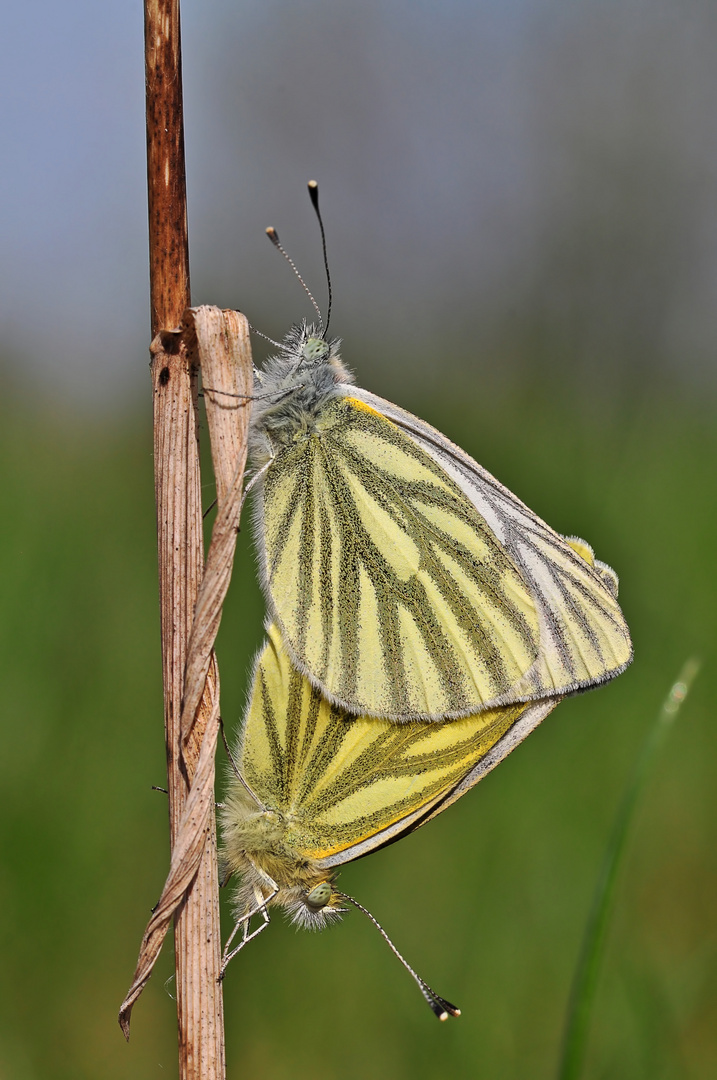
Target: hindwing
point(346, 785)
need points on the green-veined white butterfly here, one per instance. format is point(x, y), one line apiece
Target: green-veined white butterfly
point(316, 788)
point(406, 581)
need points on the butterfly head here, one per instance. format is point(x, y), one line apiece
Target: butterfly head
point(314, 350)
point(293, 388)
point(307, 894)
point(260, 845)
point(304, 350)
point(312, 908)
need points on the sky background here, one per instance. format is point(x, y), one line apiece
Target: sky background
point(486, 169)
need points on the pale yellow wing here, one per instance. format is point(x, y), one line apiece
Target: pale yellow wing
point(346, 785)
point(400, 598)
point(583, 637)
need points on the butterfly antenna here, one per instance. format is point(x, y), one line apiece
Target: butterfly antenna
point(441, 1008)
point(265, 336)
point(235, 768)
point(274, 237)
point(314, 196)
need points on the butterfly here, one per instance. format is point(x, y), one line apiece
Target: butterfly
point(315, 787)
point(408, 583)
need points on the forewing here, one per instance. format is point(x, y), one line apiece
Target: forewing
point(347, 785)
point(583, 638)
point(392, 592)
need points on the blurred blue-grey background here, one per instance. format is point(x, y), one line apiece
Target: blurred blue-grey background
point(520, 202)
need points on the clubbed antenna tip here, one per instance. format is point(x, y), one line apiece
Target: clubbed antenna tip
point(314, 196)
point(274, 237)
point(439, 1006)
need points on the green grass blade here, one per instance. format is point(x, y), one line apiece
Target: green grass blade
point(582, 993)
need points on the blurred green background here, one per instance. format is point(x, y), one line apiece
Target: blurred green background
point(518, 202)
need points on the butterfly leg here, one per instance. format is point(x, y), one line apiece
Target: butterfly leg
point(245, 923)
point(259, 908)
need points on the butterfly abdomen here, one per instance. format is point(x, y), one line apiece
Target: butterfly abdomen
point(248, 832)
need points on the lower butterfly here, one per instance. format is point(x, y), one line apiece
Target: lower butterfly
point(315, 788)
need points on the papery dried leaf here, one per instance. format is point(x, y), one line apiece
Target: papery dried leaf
point(219, 340)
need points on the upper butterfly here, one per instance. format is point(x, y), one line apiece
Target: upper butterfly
point(406, 581)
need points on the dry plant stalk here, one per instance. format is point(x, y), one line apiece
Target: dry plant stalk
point(218, 341)
point(192, 887)
point(166, 181)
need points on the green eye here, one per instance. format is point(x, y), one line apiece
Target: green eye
point(319, 896)
point(315, 349)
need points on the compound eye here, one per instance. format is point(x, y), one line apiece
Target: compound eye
point(315, 349)
point(319, 896)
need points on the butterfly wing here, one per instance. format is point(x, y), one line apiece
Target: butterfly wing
point(392, 593)
point(487, 756)
point(347, 785)
point(583, 638)
point(409, 584)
